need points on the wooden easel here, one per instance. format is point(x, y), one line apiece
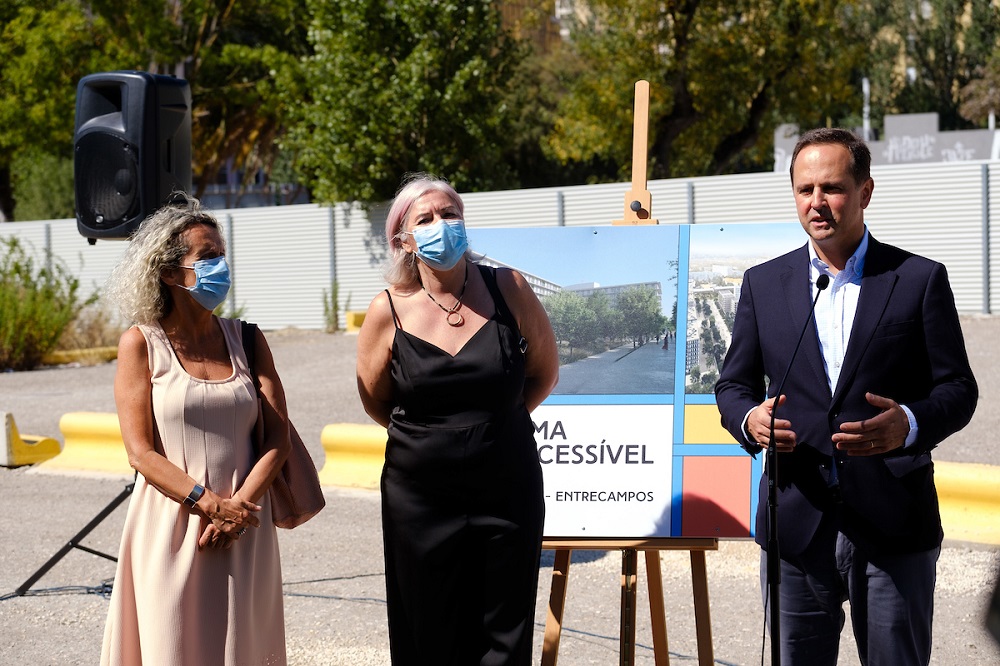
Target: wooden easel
point(638, 200)
point(658, 617)
point(638, 206)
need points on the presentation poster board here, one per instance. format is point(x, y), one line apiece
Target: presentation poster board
point(630, 440)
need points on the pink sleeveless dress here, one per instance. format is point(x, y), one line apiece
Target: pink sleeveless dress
point(171, 602)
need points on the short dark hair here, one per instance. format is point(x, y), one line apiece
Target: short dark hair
point(861, 157)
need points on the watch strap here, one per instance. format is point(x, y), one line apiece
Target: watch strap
point(194, 495)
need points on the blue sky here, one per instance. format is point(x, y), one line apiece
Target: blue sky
point(748, 240)
point(571, 255)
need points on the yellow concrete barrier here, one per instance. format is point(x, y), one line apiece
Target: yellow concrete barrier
point(969, 495)
point(354, 319)
point(89, 356)
point(92, 442)
point(21, 449)
point(354, 455)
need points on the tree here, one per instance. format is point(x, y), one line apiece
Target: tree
point(572, 321)
point(723, 75)
point(534, 94)
point(641, 313)
point(399, 86)
point(233, 54)
point(44, 185)
point(609, 320)
point(45, 47)
point(981, 96)
point(37, 303)
point(230, 52)
point(925, 54)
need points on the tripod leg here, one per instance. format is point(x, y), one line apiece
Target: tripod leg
point(74, 542)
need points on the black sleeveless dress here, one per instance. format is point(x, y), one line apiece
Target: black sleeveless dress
point(462, 504)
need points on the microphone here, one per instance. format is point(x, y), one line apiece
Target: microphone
point(773, 556)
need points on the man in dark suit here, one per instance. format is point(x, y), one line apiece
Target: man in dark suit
point(881, 378)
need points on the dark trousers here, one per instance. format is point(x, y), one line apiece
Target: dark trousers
point(891, 597)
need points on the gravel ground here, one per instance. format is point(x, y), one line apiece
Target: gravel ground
point(333, 573)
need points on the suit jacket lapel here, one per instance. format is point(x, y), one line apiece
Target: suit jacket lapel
point(877, 284)
point(795, 287)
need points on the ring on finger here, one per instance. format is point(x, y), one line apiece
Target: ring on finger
point(871, 444)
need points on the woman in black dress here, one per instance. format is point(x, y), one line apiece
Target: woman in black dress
point(451, 359)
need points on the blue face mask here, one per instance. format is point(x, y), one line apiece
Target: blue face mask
point(212, 282)
point(442, 244)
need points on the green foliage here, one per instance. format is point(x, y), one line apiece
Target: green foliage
point(533, 96)
point(702, 383)
point(713, 347)
point(640, 310)
point(981, 97)
point(44, 186)
point(593, 323)
point(345, 96)
point(240, 111)
point(925, 54)
point(331, 308)
point(45, 47)
point(572, 321)
point(723, 74)
point(230, 52)
point(36, 306)
point(95, 325)
point(400, 86)
point(610, 324)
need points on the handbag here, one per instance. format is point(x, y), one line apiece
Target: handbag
point(296, 495)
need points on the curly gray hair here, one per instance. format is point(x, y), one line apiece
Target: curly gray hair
point(158, 244)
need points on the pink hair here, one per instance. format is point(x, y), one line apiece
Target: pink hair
point(414, 187)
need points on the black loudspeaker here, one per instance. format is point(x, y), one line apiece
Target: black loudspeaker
point(132, 149)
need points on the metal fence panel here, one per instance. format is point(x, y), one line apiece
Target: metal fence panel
point(280, 264)
point(935, 212)
point(284, 258)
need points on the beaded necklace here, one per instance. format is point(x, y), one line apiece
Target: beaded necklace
point(454, 317)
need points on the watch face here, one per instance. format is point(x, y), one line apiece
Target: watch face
point(194, 495)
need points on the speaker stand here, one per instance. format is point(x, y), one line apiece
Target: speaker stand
point(75, 541)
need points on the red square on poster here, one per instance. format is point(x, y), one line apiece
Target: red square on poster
point(716, 497)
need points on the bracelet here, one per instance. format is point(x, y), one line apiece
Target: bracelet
point(194, 495)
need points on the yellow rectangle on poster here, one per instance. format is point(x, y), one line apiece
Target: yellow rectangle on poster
point(702, 426)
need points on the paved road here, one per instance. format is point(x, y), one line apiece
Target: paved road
point(646, 369)
point(334, 590)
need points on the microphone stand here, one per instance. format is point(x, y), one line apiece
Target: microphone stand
point(773, 553)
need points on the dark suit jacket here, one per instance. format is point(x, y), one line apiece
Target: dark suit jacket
point(906, 344)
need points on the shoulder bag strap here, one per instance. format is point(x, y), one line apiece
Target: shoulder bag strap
point(249, 334)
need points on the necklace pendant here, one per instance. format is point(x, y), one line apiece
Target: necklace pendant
point(455, 318)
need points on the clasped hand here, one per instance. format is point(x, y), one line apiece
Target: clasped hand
point(224, 524)
point(881, 433)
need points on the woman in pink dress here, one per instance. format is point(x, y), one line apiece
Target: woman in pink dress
point(199, 577)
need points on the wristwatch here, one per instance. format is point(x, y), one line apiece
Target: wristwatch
point(194, 495)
